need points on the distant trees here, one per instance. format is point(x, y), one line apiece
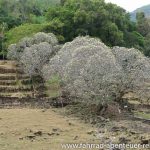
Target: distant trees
point(3, 28)
point(16, 12)
point(92, 17)
point(147, 45)
point(143, 27)
point(72, 18)
point(143, 24)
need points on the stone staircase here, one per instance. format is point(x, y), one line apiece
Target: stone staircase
point(16, 88)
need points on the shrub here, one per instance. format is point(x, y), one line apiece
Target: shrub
point(92, 72)
point(35, 56)
point(87, 69)
point(136, 68)
point(34, 52)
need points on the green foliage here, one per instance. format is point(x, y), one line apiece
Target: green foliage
point(45, 4)
point(135, 39)
point(55, 79)
point(96, 18)
point(56, 26)
point(14, 35)
point(53, 87)
point(3, 29)
point(143, 24)
point(16, 12)
point(37, 19)
point(147, 45)
point(90, 17)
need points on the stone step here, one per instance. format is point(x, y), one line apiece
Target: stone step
point(17, 94)
point(25, 81)
point(8, 63)
point(13, 77)
point(14, 102)
point(5, 89)
point(7, 76)
point(15, 87)
point(7, 70)
point(23, 77)
point(7, 82)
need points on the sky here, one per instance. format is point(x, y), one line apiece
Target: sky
point(130, 5)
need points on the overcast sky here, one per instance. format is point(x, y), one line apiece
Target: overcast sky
point(130, 5)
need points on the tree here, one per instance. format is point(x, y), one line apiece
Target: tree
point(90, 72)
point(147, 45)
point(96, 18)
point(62, 2)
point(33, 53)
point(3, 28)
point(143, 26)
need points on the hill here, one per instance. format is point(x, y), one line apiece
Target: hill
point(145, 9)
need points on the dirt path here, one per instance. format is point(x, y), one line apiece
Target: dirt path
point(35, 129)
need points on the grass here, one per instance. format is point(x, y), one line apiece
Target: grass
point(52, 93)
point(53, 87)
point(142, 115)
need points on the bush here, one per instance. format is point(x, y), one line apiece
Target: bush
point(92, 72)
point(34, 52)
point(34, 57)
point(136, 68)
point(87, 68)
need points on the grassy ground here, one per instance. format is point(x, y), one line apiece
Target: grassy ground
point(33, 129)
point(39, 129)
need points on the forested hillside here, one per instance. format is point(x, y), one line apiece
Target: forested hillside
point(15, 12)
point(69, 19)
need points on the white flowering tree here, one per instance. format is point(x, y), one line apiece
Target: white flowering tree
point(86, 68)
point(15, 50)
point(34, 57)
point(136, 68)
point(32, 53)
point(89, 70)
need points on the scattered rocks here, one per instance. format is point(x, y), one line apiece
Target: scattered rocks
point(75, 138)
point(38, 133)
point(52, 134)
point(56, 130)
point(133, 132)
point(117, 129)
point(147, 141)
point(30, 137)
point(124, 140)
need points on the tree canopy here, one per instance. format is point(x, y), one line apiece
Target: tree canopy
point(95, 18)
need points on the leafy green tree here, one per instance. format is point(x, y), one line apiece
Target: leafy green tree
point(91, 17)
point(135, 39)
point(57, 27)
point(147, 45)
point(3, 28)
point(143, 25)
point(26, 30)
